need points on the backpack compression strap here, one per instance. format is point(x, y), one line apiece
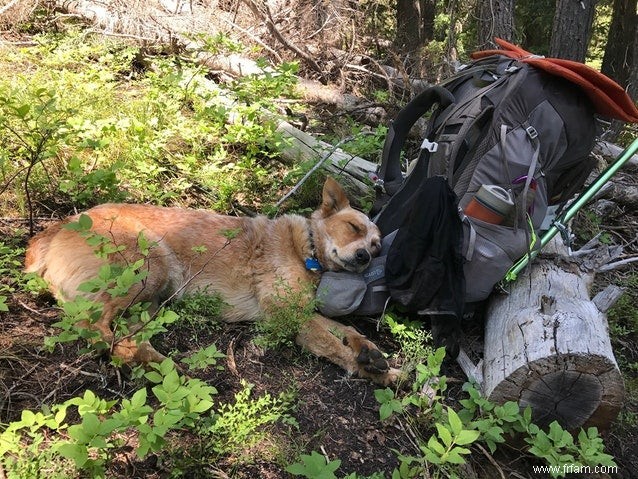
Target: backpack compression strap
point(390, 177)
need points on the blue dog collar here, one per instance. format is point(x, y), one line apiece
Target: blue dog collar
point(312, 264)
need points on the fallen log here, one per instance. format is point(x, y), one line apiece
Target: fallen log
point(547, 346)
point(610, 150)
point(356, 172)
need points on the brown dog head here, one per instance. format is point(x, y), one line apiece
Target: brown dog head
point(345, 239)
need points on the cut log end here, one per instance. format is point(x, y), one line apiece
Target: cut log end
point(576, 391)
point(547, 346)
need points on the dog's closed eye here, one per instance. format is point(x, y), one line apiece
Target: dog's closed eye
point(355, 228)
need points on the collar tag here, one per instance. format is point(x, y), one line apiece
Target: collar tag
point(312, 264)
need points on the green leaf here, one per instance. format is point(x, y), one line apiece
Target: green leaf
point(85, 222)
point(432, 457)
point(383, 395)
point(455, 422)
point(436, 446)
point(314, 466)
point(467, 437)
point(78, 433)
point(78, 453)
point(27, 417)
point(23, 111)
point(202, 406)
point(139, 398)
point(511, 409)
point(154, 377)
point(90, 424)
point(444, 434)
point(527, 414)
point(454, 456)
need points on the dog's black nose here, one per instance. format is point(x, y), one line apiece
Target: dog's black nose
point(362, 256)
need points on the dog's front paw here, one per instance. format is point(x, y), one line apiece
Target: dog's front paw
point(370, 362)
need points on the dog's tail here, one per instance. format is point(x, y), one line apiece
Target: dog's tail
point(35, 258)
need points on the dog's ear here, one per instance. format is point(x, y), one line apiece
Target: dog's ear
point(333, 198)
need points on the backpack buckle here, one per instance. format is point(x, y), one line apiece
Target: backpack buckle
point(431, 146)
point(378, 183)
point(531, 132)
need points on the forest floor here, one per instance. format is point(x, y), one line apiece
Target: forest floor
point(336, 415)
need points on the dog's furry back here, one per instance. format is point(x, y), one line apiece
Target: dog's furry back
point(193, 249)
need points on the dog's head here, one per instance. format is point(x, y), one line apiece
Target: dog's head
point(345, 238)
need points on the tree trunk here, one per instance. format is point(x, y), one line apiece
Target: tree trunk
point(618, 57)
point(571, 30)
point(408, 37)
point(618, 61)
point(428, 13)
point(535, 24)
point(415, 23)
point(547, 346)
point(495, 19)
point(632, 87)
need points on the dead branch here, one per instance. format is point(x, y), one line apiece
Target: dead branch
point(263, 13)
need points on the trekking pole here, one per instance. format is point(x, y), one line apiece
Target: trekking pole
point(574, 208)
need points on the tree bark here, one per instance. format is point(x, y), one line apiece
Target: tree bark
point(302, 147)
point(571, 30)
point(618, 58)
point(632, 86)
point(415, 23)
point(408, 37)
point(547, 346)
point(428, 14)
point(495, 19)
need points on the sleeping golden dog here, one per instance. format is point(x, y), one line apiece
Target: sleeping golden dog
point(244, 260)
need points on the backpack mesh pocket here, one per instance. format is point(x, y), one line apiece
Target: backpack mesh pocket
point(490, 251)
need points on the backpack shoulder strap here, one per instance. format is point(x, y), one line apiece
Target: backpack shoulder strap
point(390, 177)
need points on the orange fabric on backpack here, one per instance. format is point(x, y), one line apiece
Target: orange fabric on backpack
point(608, 97)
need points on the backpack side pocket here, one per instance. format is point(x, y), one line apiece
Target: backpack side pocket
point(490, 251)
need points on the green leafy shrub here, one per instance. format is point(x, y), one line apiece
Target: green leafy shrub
point(478, 421)
point(235, 428)
point(314, 466)
point(28, 449)
point(290, 310)
point(168, 132)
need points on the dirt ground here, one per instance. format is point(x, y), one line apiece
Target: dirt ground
point(337, 415)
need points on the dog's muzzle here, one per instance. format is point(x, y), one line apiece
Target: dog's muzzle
point(362, 257)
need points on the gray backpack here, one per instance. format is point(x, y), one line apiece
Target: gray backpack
point(511, 140)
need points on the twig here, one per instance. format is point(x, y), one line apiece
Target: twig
point(325, 454)
point(253, 38)
point(81, 371)
point(266, 17)
point(617, 264)
point(230, 358)
point(28, 308)
point(318, 165)
point(3, 10)
point(409, 433)
point(121, 35)
point(491, 459)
